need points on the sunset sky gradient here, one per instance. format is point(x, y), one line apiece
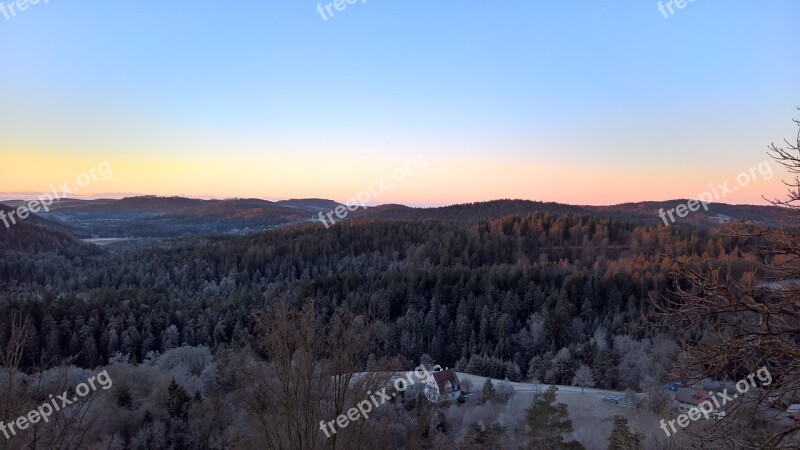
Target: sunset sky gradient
point(571, 101)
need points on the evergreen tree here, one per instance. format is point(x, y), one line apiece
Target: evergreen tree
point(622, 438)
point(124, 399)
point(177, 400)
point(548, 420)
point(479, 438)
point(487, 393)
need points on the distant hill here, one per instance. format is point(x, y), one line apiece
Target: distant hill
point(310, 204)
point(151, 216)
point(35, 234)
point(470, 212)
point(717, 214)
point(170, 206)
point(643, 212)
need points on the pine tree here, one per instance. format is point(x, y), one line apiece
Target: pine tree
point(124, 399)
point(548, 420)
point(487, 393)
point(479, 438)
point(622, 438)
point(603, 364)
point(177, 400)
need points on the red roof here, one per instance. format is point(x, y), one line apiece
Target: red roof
point(443, 377)
point(692, 396)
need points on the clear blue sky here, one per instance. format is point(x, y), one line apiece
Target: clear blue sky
point(651, 107)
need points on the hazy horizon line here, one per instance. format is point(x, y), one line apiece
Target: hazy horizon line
point(27, 196)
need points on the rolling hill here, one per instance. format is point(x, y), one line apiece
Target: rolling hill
point(150, 216)
point(642, 212)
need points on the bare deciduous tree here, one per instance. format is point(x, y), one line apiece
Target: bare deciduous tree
point(14, 401)
point(733, 324)
point(70, 427)
point(313, 373)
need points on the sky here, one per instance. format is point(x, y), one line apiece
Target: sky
point(580, 102)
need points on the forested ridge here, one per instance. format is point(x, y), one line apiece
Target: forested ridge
point(516, 297)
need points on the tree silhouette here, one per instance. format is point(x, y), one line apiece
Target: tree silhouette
point(548, 421)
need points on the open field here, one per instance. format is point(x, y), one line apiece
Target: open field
point(592, 418)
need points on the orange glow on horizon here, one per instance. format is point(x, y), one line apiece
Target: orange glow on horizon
point(446, 180)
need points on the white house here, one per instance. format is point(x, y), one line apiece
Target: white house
point(443, 387)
